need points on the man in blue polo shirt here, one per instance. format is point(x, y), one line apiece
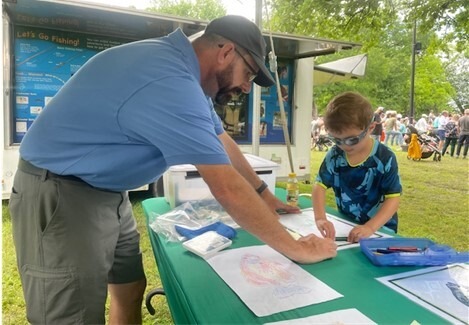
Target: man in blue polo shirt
point(127, 115)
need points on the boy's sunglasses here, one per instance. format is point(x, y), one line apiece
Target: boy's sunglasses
point(350, 141)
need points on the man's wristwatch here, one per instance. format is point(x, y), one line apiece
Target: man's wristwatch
point(261, 188)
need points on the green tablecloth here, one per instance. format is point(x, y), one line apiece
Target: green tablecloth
point(197, 295)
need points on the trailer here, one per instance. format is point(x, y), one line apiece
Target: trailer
point(46, 41)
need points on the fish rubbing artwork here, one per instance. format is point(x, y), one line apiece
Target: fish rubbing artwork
point(443, 290)
point(262, 272)
point(458, 293)
point(257, 272)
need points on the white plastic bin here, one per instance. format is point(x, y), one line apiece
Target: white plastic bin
point(183, 183)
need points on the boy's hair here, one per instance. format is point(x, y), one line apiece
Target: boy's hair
point(347, 110)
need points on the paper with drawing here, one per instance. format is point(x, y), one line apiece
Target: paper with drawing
point(257, 272)
point(350, 316)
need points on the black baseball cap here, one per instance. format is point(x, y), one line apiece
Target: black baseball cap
point(246, 34)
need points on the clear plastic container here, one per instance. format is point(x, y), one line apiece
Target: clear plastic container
point(427, 253)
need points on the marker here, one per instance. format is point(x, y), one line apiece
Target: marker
point(385, 251)
point(340, 238)
point(403, 248)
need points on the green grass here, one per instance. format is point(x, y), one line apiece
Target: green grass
point(13, 306)
point(434, 205)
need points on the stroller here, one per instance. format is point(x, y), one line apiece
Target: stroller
point(322, 143)
point(421, 145)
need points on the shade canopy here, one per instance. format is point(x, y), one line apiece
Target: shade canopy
point(344, 69)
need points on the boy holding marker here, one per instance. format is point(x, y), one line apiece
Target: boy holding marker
point(362, 172)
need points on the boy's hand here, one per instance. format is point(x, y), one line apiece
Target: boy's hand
point(326, 228)
point(358, 232)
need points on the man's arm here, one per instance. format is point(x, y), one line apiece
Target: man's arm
point(240, 163)
point(238, 160)
point(242, 202)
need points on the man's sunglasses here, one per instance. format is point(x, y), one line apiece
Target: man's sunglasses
point(252, 72)
point(350, 141)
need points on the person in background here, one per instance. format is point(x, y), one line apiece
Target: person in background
point(451, 135)
point(390, 128)
point(362, 172)
point(378, 130)
point(463, 126)
point(314, 122)
point(316, 127)
point(431, 117)
point(440, 124)
point(421, 124)
point(402, 129)
point(127, 115)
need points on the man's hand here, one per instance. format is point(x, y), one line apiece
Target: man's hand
point(360, 231)
point(315, 249)
point(275, 204)
point(326, 228)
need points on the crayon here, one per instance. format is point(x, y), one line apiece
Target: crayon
point(340, 238)
point(403, 248)
point(385, 251)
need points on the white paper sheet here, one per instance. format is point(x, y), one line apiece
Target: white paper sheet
point(442, 289)
point(304, 224)
point(346, 316)
point(267, 282)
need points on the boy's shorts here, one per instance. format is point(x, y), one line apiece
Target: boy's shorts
point(71, 241)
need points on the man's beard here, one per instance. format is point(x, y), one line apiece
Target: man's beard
point(226, 93)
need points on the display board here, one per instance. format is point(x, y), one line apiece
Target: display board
point(271, 130)
point(44, 60)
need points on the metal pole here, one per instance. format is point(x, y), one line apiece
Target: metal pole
point(412, 74)
point(256, 95)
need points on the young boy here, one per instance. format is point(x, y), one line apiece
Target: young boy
point(362, 172)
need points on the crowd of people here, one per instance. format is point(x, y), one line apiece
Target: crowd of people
point(451, 130)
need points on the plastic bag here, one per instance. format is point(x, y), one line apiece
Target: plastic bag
point(191, 215)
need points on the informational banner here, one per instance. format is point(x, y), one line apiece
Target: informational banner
point(271, 130)
point(44, 61)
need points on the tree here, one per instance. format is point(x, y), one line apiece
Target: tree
point(338, 19)
point(385, 29)
point(197, 9)
point(432, 89)
point(457, 70)
point(351, 18)
point(449, 18)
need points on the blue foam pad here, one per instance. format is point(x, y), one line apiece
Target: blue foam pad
point(218, 227)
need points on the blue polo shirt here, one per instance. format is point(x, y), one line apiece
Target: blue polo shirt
point(361, 190)
point(127, 115)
